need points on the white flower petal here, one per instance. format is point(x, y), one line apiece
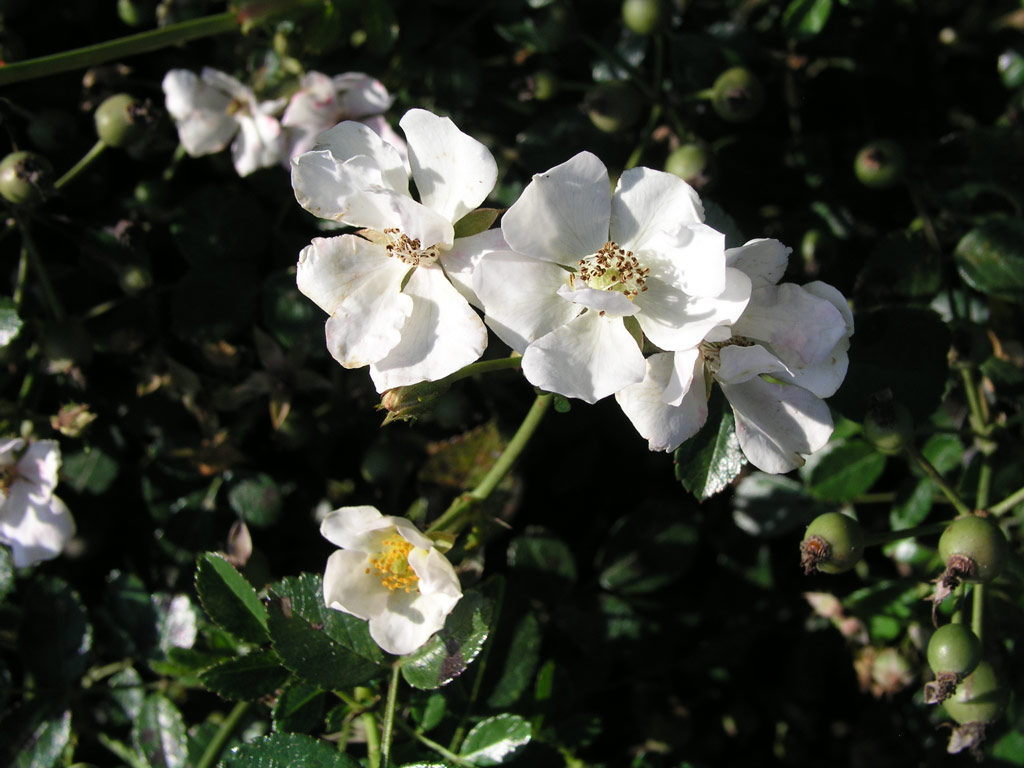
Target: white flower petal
point(764, 261)
point(833, 296)
point(360, 95)
point(453, 172)
point(687, 367)
point(651, 204)
point(200, 113)
point(347, 527)
point(35, 526)
point(410, 533)
point(778, 424)
point(520, 295)
point(460, 262)
point(800, 328)
point(38, 466)
point(360, 286)
point(349, 588)
point(563, 214)
point(589, 357)
point(409, 621)
point(442, 335)
point(824, 377)
point(310, 111)
point(259, 143)
point(691, 259)
point(352, 139)
point(436, 575)
point(675, 321)
point(742, 363)
point(225, 83)
point(664, 426)
point(612, 303)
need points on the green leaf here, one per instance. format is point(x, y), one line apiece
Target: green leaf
point(495, 740)
point(912, 505)
point(327, 648)
point(1009, 748)
point(520, 663)
point(945, 452)
point(804, 19)
point(46, 744)
point(902, 349)
point(990, 259)
point(89, 471)
point(229, 599)
point(10, 323)
point(475, 222)
point(902, 266)
point(711, 459)
point(543, 563)
point(772, 505)
point(159, 733)
point(846, 471)
point(287, 750)
point(299, 708)
point(257, 499)
point(644, 552)
point(55, 635)
point(246, 678)
point(448, 653)
point(1011, 70)
point(6, 573)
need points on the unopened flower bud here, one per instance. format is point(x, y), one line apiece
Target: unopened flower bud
point(410, 402)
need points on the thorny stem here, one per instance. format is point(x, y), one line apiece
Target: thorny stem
point(220, 739)
point(81, 165)
point(465, 502)
point(929, 469)
point(388, 726)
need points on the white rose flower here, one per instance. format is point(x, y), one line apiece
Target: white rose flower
point(774, 364)
point(322, 102)
point(390, 574)
point(587, 270)
point(390, 293)
point(34, 523)
point(212, 110)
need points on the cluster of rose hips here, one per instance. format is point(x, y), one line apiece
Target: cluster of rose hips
point(974, 551)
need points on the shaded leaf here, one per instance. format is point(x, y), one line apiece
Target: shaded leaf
point(644, 552)
point(299, 708)
point(46, 744)
point(55, 635)
point(773, 505)
point(287, 750)
point(10, 323)
point(448, 653)
point(257, 499)
point(902, 266)
point(804, 19)
point(475, 222)
point(89, 471)
point(990, 259)
point(6, 572)
point(495, 740)
point(520, 663)
point(229, 599)
point(711, 459)
point(159, 733)
point(912, 505)
point(246, 678)
point(846, 471)
point(543, 563)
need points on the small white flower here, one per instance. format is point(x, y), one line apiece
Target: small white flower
point(588, 269)
point(212, 110)
point(390, 574)
point(785, 353)
point(34, 523)
point(322, 102)
point(390, 293)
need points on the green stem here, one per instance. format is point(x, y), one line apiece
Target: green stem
point(1008, 503)
point(81, 165)
point(124, 753)
point(388, 726)
point(448, 755)
point(96, 674)
point(947, 490)
point(906, 533)
point(220, 739)
point(44, 279)
point(978, 611)
point(984, 484)
point(372, 739)
point(977, 404)
point(22, 278)
point(501, 467)
point(132, 45)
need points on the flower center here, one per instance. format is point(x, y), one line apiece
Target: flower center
point(236, 106)
point(408, 250)
point(712, 350)
point(392, 564)
point(614, 269)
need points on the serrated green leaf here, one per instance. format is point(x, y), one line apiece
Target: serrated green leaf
point(229, 599)
point(711, 459)
point(246, 678)
point(772, 505)
point(55, 635)
point(299, 708)
point(10, 323)
point(990, 259)
point(520, 663)
point(804, 19)
point(475, 222)
point(846, 471)
point(287, 750)
point(327, 648)
point(495, 740)
point(89, 471)
point(159, 733)
point(46, 744)
point(448, 653)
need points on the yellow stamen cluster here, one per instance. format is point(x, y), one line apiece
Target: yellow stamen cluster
point(614, 269)
point(236, 105)
point(7, 477)
point(392, 564)
point(406, 249)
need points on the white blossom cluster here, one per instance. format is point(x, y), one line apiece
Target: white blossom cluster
point(626, 293)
